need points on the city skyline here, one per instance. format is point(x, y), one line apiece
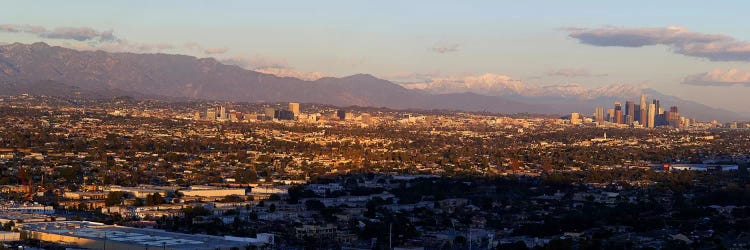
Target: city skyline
point(485, 47)
point(419, 125)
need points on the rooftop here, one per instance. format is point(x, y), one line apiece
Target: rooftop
point(136, 236)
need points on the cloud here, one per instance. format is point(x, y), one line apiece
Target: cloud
point(713, 47)
point(445, 48)
point(492, 84)
point(78, 34)
point(573, 73)
point(67, 33)
point(122, 45)
point(288, 72)
point(255, 62)
point(503, 85)
point(719, 77)
point(412, 76)
point(212, 51)
point(22, 28)
point(85, 38)
point(195, 47)
point(271, 66)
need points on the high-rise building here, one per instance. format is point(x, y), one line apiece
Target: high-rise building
point(629, 112)
point(575, 118)
point(294, 107)
point(366, 118)
point(211, 114)
point(611, 115)
point(341, 114)
point(644, 111)
point(222, 113)
point(673, 117)
point(618, 115)
point(269, 112)
point(637, 113)
point(599, 114)
point(651, 114)
point(283, 114)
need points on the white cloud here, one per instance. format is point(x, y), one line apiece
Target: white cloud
point(255, 62)
point(720, 77)
point(287, 72)
point(272, 66)
point(503, 85)
point(680, 40)
point(492, 84)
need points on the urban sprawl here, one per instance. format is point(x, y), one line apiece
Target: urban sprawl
point(124, 173)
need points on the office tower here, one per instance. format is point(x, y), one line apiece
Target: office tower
point(283, 114)
point(366, 118)
point(269, 113)
point(637, 113)
point(222, 113)
point(341, 114)
point(611, 115)
point(294, 107)
point(629, 112)
point(236, 116)
point(599, 114)
point(211, 114)
point(575, 118)
point(618, 107)
point(197, 115)
point(651, 114)
point(673, 117)
point(657, 107)
point(644, 111)
point(661, 118)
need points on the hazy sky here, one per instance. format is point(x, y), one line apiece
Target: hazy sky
point(692, 49)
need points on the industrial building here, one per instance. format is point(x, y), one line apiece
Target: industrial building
point(209, 191)
point(92, 235)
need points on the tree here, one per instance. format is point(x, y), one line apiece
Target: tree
point(272, 208)
point(232, 198)
point(154, 199)
point(314, 205)
point(8, 225)
point(114, 198)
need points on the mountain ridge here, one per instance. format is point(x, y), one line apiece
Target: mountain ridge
point(184, 76)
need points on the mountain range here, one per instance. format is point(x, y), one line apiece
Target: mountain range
point(42, 69)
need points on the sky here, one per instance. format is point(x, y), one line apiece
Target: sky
point(691, 49)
